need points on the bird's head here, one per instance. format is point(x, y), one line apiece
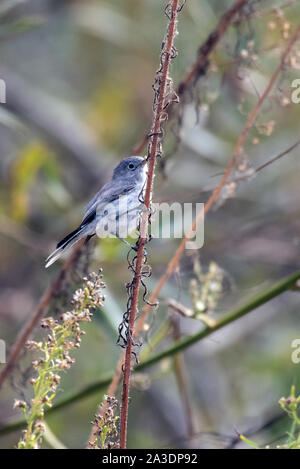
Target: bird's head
point(131, 169)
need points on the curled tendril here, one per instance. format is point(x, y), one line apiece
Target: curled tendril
point(124, 332)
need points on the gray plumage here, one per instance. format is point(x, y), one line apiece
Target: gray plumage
point(126, 185)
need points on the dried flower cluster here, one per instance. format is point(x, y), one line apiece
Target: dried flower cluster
point(206, 290)
point(63, 336)
point(105, 432)
point(291, 405)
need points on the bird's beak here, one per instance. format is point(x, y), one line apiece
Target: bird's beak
point(142, 163)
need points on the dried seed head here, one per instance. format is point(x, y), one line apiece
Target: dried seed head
point(48, 323)
point(18, 404)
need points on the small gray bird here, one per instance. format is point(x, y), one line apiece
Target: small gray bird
point(115, 208)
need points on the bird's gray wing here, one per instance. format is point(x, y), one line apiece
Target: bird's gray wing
point(107, 194)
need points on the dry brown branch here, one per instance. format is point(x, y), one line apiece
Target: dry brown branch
point(202, 62)
point(179, 370)
point(197, 70)
point(180, 308)
point(237, 150)
point(277, 157)
point(160, 104)
point(242, 177)
point(34, 319)
point(176, 258)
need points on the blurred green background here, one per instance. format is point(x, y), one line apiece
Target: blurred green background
point(79, 98)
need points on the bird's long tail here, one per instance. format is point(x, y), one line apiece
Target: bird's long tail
point(65, 244)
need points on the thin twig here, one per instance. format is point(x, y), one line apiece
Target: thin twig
point(277, 157)
point(200, 66)
point(242, 177)
point(238, 148)
point(176, 258)
point(206, 49)
point(159, 106)
point(179, 369)
point(198, 69)
point(228, 318)
point(252, 304)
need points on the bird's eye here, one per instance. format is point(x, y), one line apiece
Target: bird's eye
point(131, 166)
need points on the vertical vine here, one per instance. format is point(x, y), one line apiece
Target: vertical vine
point(163, 96)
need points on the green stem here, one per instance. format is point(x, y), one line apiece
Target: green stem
point(255, 302)
point(260, 299)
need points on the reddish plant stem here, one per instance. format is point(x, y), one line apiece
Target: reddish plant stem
point(144, 220)
point(176, 258)
point(179, 370)
point(34, 319)
point(198, 69)
point(239, 145)
point(200, 66)
point(243, 177)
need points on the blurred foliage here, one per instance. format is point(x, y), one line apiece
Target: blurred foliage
point(81, 71)
point(32, 159)
point(291, 406)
